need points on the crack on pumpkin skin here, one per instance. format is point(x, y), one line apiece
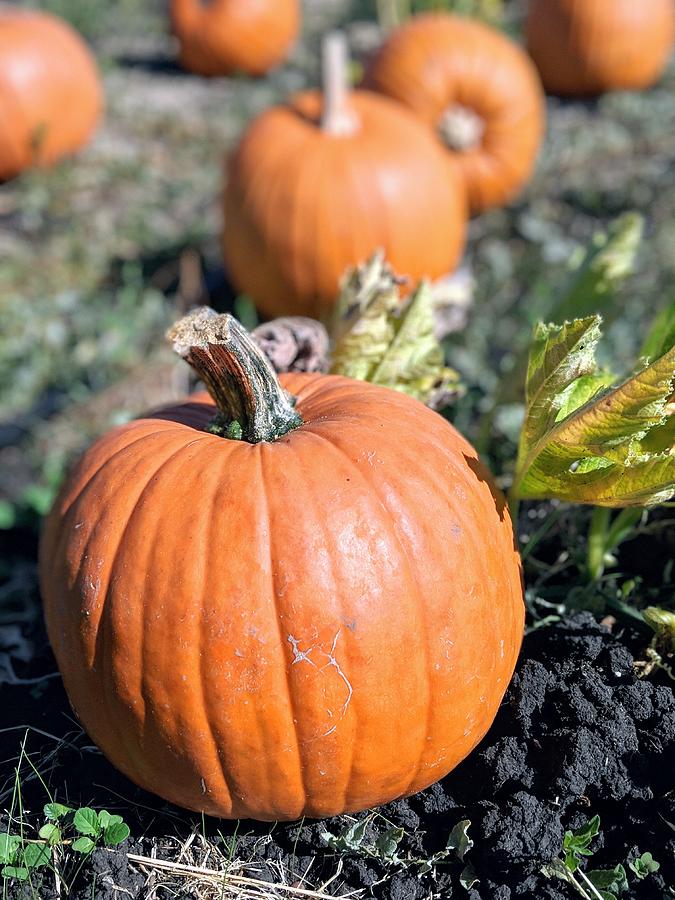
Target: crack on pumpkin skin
point(300, 655)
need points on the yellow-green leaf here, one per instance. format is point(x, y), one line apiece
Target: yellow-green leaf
point(387, 340)
point(585, 441)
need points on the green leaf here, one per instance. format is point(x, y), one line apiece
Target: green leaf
point(9, 844)
point(56, 810)
point(36, 855)
point(459, 839)
point(116, 832)
point(350, 838)
point(105, 818)
point(381, 338)
point(607, 263)
point(661, 335)
point(662, 623)
point(610, 882)
point(50, 833)
point(644, 865)
point(468, 877)
point(577, 843)
point(86, 821)
point(83, 845)
point(387, 843)
point(583, 441)
point(7, 515)
point(17, 872)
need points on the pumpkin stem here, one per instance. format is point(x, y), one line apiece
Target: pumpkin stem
point(251, 403)
point(337, 117)
point(461, 128)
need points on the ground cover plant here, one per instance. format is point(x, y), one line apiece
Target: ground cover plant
point(571, 792)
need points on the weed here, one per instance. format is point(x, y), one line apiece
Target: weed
point(595, 884)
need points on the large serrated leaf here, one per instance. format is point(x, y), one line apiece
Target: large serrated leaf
point(383, 339)
point(586, 442)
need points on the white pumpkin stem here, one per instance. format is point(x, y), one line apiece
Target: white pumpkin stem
point(461, 128)
point(337, 117)
point(252, 405)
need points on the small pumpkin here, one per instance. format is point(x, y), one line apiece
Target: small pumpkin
point(479, 92)
point(315, 618)
point(587, 47)
point(222, 37)
point(50, 92)
point(322, 182)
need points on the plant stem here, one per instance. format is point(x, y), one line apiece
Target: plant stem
point(390, 13)
point(597, 542)
point(237, 374)
point(337, 117)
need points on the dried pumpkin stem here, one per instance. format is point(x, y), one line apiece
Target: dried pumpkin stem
point(237, 374)
point(338, 118)
point(461, 128)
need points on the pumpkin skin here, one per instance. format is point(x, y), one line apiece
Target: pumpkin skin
point(587, 47)
point(50, 92)
point(438, 61)
point(221, 37)
point(305, 627)
point(302, 205)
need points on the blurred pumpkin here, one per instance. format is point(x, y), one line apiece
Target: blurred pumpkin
point(303, 621)
point(477, 89)
point(222, 37)
point(322, 182)
point(586, 47)
point(50, 92)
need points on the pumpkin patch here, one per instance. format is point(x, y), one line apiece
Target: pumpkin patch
point(377, 604)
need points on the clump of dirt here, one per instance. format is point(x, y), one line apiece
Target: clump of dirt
point(577, 735)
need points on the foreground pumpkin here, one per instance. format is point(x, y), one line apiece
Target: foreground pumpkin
point(586, 47)
point(476, 89)
point(318, 617)
point(221, 37)
point(50, 94)
point(321, 183)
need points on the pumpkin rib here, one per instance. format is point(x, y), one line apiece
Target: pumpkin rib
point(410, 569)
point(211, 524)
point(393, 518)
point(328, 542)
point(295, 713)
point(167, 472)
point(102, 635)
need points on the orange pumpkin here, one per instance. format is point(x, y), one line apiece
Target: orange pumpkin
point(586, 47)
point(50, 93)
point(321, 183)
point(305, 621)
point(221, 37)
point(476, 89)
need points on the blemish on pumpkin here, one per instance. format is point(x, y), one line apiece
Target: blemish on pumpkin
point(300, 655)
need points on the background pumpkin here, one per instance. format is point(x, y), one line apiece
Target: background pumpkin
point(477, 89)
point(50, 94)
point(288, 627)
point(585, 47)
point(220, 37)
point(322, 182)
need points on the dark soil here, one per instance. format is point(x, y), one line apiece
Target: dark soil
point(577, 735)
